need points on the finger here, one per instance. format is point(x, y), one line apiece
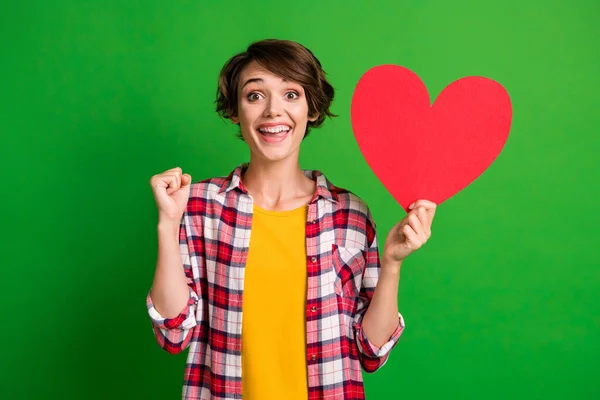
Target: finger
point(425, 221)
point(415, 224)
point(172, 171)
point(159, 186)
point(411, 236)
point(186, 179)
point(167, 182)
point(174, 183)
point(159, 181)
point(177, 173)
point(160, 193)
point(429, 206)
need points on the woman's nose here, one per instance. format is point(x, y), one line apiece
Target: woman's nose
point(273, 108)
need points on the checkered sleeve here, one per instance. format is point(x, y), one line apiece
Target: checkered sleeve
point(174, 334)
point(372, 357)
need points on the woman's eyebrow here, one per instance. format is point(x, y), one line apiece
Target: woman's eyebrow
point(260, 80)
point(251, 80)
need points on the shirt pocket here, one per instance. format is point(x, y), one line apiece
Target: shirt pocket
point(349, 265)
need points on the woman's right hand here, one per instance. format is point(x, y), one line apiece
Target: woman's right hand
point(171, 192)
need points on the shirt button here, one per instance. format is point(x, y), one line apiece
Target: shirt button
point(313, 259)
point(313, 221)
point(313, 309)
point(313, 357)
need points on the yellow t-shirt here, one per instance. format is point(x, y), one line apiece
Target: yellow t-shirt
point(274, 324)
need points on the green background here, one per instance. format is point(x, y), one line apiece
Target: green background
point(97, 96)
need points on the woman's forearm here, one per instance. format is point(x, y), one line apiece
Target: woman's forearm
point(169, 292)
point(381, 318)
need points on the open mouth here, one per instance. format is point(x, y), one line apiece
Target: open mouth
point(274, 133)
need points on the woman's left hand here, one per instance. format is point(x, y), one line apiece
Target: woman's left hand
point(410, 233)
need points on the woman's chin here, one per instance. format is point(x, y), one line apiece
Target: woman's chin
point(273, 155)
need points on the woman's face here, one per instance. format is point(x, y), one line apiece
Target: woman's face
point(272, 114)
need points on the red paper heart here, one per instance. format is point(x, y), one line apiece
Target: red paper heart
point(420, 151)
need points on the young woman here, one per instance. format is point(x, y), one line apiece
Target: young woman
point(271, 275)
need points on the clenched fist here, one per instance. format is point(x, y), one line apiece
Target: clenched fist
point(171, 192)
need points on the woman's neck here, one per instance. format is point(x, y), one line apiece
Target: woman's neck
point(279, 185)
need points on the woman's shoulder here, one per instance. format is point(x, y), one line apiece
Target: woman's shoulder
point(210, 188)
point(213, 183)
point(348, 199)
point(353, 213)
point(349, 202)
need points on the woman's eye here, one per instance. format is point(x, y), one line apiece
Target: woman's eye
point(291, 95)
point(253, 96)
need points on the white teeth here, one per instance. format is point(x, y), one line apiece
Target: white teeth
point(275, 129)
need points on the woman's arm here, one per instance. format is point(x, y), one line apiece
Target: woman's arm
point(173, 299)
point(170, 293)
point(381, 318)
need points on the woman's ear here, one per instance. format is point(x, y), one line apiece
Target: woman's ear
point(234, 119)
point(314, 117)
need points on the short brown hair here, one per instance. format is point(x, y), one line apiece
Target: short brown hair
point(284, 58)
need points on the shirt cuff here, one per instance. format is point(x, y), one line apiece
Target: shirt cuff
point(370, 350)
point(185, 320)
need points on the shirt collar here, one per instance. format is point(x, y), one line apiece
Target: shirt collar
point(325, 189)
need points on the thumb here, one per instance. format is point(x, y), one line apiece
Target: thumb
point(186, 179)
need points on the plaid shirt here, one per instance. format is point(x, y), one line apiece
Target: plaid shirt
point(343, 268)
